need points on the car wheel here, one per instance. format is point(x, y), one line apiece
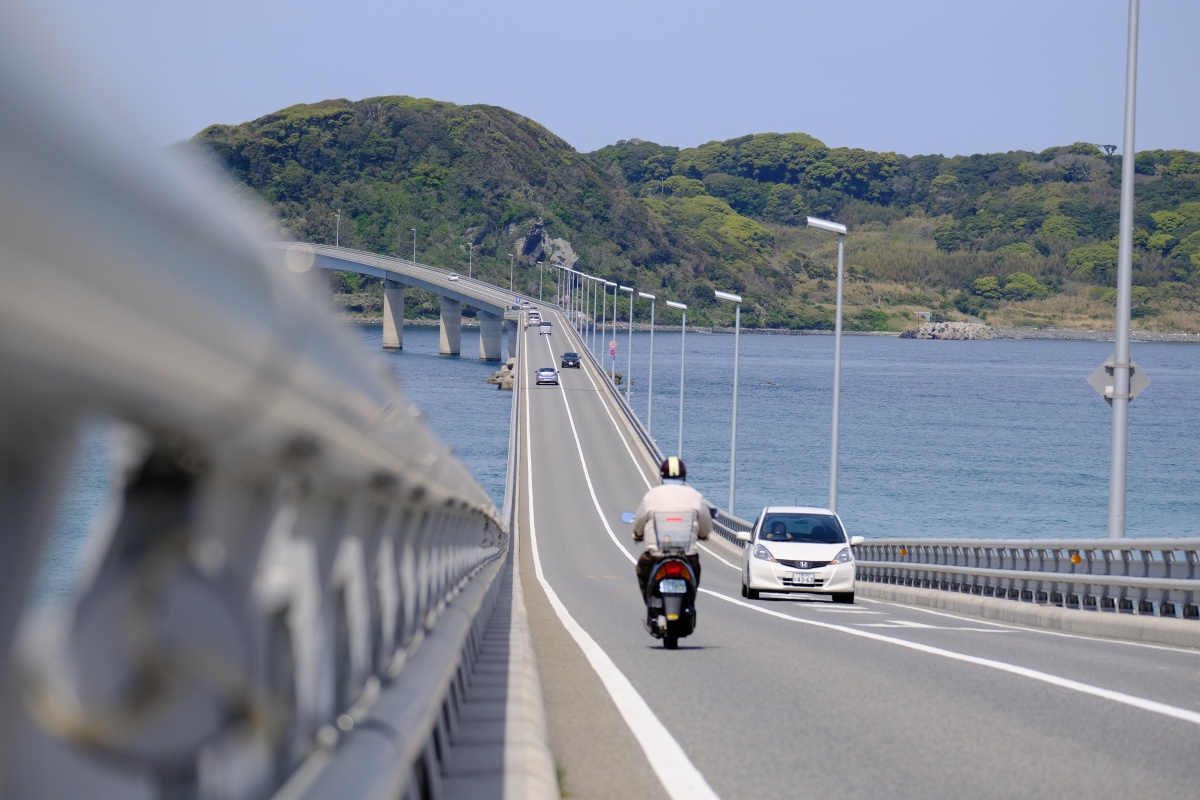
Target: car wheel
point(744, 592)
point(843, 597)
point(751, 593)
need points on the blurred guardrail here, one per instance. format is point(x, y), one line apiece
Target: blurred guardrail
point(1135, 576)
point(286, 595)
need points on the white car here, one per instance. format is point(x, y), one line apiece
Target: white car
point(544, 327)
point(547, 375)
point(798, 549)
point(453, 276)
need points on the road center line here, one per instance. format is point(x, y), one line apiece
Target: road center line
point(670, 763)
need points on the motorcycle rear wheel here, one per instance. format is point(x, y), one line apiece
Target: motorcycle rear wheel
point(670, 642)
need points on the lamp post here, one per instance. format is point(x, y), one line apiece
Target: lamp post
point(414, 230)
point(840, 230)
point(650, 383)
point(629, 355)
point(683, 334)
point(471, 262)
point(1119, 452)
point(541, 274)
point(337, 234)
point(737, 329)
point(510, 271)
point(613, 370)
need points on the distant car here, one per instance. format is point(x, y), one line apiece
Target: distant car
point(798, 549)
point(453, 276)
point(535, 318)
point(547, 375)
point(570, 359)
point(545, 327)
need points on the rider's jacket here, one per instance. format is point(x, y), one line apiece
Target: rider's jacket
point(671, 496)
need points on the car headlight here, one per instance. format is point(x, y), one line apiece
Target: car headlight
point(763, 553)
point(845, 556)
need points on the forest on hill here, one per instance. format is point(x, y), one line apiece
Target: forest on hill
point(1015, 238)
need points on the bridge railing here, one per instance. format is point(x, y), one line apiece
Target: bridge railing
point(286, 589)
point(1137, 576)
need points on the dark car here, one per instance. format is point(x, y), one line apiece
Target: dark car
point(570, 360)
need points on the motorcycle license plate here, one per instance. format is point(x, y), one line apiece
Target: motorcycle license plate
point(672, 586)
point(804, 578)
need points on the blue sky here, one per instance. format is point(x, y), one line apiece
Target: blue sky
point(910, 76)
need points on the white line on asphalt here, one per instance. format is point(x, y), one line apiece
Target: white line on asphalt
point(1042, 631)
point(1153, 706)
point(670, 763)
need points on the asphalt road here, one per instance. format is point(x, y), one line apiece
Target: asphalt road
point(794, 696)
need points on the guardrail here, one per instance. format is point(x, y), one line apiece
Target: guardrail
point(288, 590)
point(1136, 576)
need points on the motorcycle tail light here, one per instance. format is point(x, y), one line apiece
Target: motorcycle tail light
point(671, 569)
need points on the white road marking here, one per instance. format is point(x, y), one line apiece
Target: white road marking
point(670, 763)
point(1142, 703)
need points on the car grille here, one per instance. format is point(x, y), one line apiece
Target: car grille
point(803, 564)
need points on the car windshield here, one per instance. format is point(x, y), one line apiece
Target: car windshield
point(570, 355)
point(795, 527)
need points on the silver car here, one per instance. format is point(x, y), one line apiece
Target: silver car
point(547, 375)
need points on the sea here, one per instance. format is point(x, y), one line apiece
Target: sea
point(937, 439)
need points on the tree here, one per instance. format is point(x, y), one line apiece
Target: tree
point(987, 287)
point(1023, 286)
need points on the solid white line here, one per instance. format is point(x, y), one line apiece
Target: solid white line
point(670, 763)
point(1054, 680)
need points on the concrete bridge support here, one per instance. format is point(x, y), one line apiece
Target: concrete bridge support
point(511, 327)
point(393, 315)
point(489, 336)
point(450, 341)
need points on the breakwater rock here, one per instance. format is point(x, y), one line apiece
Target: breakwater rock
point(950, 330)
point(503, 377)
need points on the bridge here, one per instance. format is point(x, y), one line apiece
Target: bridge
point(298, 592)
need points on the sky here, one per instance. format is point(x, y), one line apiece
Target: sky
point(907, 76)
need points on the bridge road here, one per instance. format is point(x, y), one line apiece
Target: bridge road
point(794, 696)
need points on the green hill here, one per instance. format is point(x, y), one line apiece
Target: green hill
point(1015, 238)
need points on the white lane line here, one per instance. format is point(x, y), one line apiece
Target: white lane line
point(674, 769)
point(1152, 706)
point(1042, 631)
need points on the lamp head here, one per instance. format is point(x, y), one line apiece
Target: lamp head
point(826, 225)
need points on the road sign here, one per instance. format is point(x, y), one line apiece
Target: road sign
point(1102, 379)
point(612, 351)
point(612, 347)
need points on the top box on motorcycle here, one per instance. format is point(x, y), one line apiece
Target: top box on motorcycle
point(675, 531)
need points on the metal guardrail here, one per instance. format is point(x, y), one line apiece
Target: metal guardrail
point(1137, 576)
point(288, 590)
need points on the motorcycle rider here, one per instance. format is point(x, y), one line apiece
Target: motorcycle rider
point(672, 495)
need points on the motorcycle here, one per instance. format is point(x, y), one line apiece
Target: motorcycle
point(671, 588)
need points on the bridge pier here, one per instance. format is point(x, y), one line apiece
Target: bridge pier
point(489, 336)
point(393, 315)
point(450, 340)
point(511, 327)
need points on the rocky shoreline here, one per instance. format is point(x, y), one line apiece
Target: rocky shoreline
point(1066, 334)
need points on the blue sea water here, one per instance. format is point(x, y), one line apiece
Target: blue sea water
point(985, 439)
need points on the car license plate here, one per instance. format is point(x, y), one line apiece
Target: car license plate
point(804, 578)
point(672, 586)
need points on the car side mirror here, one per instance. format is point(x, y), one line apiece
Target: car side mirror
point(713, 511)
point(855, 541)
point(627, 516)
point(743, 536)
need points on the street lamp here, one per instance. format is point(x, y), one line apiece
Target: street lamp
point(737, 328)
point(471, 262)
point(629, 355)
point(337, 234)
point(541, 273)
point(414, 230)
point(510, 271)
point(650, 383)
point(840, 230)
point(683, 334)
point(1119, 448)
point(613, 373)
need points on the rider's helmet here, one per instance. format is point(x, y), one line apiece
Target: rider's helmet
point(673, 467)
